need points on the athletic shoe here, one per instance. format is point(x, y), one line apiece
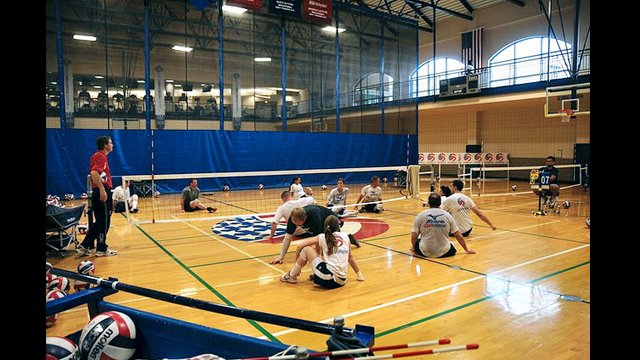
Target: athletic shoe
point(288, 278)
point(553, 202)
point(134, 210)
point(211, 209)
point(354, 241)
point(341, 224)
point(109, 252)
point(83, 251)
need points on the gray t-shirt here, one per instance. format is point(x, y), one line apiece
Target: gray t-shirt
point(433, 227)
point(336, 198)
point(190, 194)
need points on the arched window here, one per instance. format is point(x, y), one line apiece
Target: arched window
point(367, 90)
point(445, 68)
point(527, 60)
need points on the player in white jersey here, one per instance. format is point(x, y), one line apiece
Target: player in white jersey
point(431, 229)
point(120, 195)
point(296, 189)
point(338, 196)
point(329, 255)
point(460, 207)
point(284, 211)
point(444, 192)
point(371, 193)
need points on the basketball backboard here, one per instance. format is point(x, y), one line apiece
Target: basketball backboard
point(569, 100)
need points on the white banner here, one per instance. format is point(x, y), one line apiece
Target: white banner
point(462, 158)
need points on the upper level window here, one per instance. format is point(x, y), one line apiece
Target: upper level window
point(529, 60)
point(368, 90)
point(429, 78)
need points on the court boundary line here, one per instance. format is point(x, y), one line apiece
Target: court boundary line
point(460, 307)
point(261, 329)
point(432, 291)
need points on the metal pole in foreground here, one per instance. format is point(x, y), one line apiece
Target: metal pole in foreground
point(200, 304)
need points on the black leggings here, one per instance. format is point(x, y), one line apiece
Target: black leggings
point(102, 216)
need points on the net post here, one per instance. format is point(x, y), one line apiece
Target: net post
point(413, 181)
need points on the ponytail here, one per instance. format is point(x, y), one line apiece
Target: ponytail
point(331, 225)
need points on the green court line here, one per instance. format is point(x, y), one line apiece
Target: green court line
point(211, 288)
point(448, 311)
point(270, 255)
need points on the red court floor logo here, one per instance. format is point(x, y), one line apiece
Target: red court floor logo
point(257, 228)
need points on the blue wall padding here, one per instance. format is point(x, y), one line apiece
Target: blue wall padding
point(206, 151)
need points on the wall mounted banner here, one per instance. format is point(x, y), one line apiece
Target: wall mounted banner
point(247, 4)
point(289, 8)
point(463, 158)
point(318, 10)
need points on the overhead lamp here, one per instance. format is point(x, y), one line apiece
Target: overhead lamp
point(182, 48)
point(262, 59)
point(332, 29)
point(233, 9)
point(84, 37)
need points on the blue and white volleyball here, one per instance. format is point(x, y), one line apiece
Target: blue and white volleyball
point(61, 348)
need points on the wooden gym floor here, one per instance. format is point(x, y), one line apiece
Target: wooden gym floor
point(507, 297)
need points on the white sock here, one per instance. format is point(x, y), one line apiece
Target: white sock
point(295, 270)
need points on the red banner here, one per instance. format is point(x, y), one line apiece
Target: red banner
point(318, 10)
point(463, 158)
point(247, 4)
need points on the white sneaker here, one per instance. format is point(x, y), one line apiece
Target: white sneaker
point(82, 250)
point(288, 278)
point(109, 252)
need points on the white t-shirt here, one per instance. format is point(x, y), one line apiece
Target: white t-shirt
point(459, 206)
point(337, 198)
point(284, 210)
point(297, 190)
point(371, 193)
point(338, 262)
point(120, 194)
point(433, 227)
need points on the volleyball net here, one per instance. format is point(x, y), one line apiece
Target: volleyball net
point(237, 194)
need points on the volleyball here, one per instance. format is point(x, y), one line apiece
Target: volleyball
point(86, 267)
point(60, 283)
point(226, 187)
point(156, 194)
point(260, 187)
point(82, 229)
point(514, 187)
point(324, 187)
point(54, 295)
point(81, 285)
point(61, 348)
point(588, 223)
point(110, 335)
point(566, 204)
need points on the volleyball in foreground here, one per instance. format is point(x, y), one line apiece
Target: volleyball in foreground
point(54, 295)
point(60, 283)
point(86, 267)
point(61, 348)
point(110, 335)
point(566, 204)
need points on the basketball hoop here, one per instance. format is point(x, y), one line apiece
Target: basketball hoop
point(566, 115)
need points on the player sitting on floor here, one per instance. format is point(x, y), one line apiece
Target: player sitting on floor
point(329, 255)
